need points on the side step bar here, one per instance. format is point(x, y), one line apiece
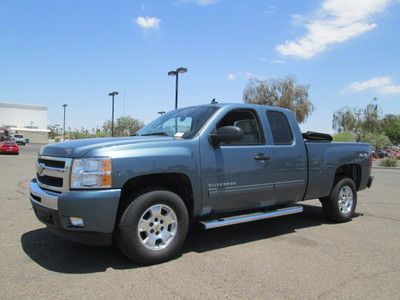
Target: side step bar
point(251, 217)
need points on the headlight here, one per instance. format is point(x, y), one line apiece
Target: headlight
point(91, 173)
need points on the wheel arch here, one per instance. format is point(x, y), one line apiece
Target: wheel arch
point(177, 183)
point(352, 171)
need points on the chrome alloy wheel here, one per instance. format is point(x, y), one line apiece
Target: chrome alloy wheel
point(345, 199)
point(157, 227)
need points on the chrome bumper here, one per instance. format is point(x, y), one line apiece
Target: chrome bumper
point(42, 197)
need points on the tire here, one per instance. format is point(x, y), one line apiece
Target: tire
point(340, 205)
point(153, 227)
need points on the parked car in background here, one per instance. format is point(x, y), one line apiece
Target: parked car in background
point(381, 153)
point(19, 139)
point(9, 147)
point(395, 154)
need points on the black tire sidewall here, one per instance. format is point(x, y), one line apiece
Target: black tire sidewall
point(128, 239)
point(335, 211)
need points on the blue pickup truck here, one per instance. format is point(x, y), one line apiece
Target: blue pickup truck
point(217, 164)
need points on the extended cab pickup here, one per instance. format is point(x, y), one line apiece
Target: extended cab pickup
point(217, 164)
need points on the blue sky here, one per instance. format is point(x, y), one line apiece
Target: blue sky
point(75, 52)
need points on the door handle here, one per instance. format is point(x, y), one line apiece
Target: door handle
point(261, 157)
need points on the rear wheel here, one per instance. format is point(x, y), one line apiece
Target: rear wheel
point(341, 204)
point(153, 227)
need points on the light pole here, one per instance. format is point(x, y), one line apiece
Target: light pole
point(112, 94)
point(65, 107)
point(176, 74)
point(161, 113)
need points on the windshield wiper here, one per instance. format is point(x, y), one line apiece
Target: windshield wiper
point(163, 133)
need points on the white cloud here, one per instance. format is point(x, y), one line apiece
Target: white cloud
point(199, 2)
point(240, 75)
point(270, 9)
point(335, 22)
point(274, 61)
point(144, 7)
point(382, 85)
point(206, 2)
point(148, 22)
point(277, 61)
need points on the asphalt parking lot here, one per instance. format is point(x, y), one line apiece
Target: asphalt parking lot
point(298, 256)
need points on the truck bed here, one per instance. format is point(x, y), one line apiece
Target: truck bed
point(324, 159)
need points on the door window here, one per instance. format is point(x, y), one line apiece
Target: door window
point(246, 120)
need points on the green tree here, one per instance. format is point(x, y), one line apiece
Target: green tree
point(393, 131)
point(367, 125)
point(377, 140)
point(280, 92)
point(53, 131)
point(125, 126)
point(389, 120)
point(344, 137)
point(358, 121)
point(371, 122)
point(348, 120)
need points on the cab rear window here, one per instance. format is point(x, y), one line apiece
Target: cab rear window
point(280, 128)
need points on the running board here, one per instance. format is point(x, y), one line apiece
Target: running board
point(251, 217)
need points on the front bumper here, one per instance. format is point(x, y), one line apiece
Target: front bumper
point(97, 208)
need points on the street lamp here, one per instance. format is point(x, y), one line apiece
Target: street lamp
point(112, 94)
point(65, 106)
point(176, 74)
point(161, 113)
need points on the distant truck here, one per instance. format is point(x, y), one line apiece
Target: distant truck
point(19, 139)
point(217, 164)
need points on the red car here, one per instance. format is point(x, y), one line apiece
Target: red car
point(9, 147)
point(395, 154)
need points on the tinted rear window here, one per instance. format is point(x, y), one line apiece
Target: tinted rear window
point(281, 131)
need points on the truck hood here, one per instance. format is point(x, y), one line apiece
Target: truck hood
point(78, 148)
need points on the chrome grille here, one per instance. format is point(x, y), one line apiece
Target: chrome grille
point(53, 173)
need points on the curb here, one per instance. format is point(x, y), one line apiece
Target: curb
point(385, 168)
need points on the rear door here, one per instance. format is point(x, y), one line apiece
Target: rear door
point(237, 176)
point(290, 158)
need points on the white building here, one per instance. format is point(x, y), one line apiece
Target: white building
point(26, 119)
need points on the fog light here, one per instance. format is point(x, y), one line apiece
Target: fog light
point(75, 221)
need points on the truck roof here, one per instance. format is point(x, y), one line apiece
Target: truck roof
point(244, 105)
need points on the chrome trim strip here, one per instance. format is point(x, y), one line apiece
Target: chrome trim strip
point(63, 173)
point(251, 217)
point(289, 184)
point(48, 199)
point(50, 187)
point(53, 158)
point(50, 169)
point(261, 187)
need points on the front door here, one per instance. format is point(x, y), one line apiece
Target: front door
point(237, 176)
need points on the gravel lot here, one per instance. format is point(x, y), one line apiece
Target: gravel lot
point(299, 256)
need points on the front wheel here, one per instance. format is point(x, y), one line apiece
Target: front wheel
point(341, 204)
point(153, 227)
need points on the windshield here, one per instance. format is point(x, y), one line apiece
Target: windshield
point(181, 123)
